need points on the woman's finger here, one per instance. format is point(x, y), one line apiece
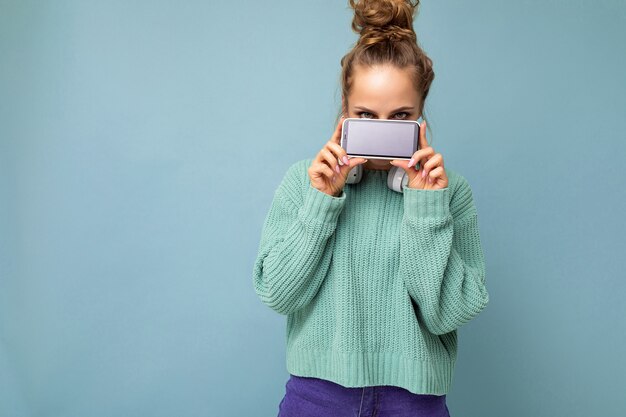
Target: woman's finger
point(435, 160)
point(336, 138)
point(340, 153)
point(330, 159)
point(322, 168)
point(437, 172)
point(421, 156)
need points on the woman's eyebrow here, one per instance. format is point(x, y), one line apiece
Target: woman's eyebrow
point(395, 111)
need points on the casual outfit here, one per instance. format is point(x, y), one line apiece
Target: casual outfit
point(374, 283)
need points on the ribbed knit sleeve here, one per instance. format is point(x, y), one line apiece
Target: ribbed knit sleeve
point(296, 242)
point(441, 258)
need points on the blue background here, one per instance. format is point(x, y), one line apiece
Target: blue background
point(140, 146)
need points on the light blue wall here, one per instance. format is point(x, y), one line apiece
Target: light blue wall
point(140, 146)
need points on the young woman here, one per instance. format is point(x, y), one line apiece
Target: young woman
point(374, 282)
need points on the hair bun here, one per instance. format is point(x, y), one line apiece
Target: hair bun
point(375, 20)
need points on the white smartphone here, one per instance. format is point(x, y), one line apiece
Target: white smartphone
point(380, 138)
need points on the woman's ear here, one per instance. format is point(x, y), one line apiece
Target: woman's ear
point(344, 109)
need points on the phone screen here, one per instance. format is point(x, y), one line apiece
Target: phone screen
point(386, 139)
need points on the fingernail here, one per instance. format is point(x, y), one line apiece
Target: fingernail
point(423, 173)
point(345, 160)
point(337, 169)
point(411, 162)
point(340, 161)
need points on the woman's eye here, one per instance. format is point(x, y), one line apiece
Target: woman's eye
point(367, 115)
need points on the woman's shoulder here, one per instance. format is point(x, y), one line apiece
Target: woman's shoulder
point(298, 171)
point(294, 181)
point(461, 196)
point(455, 179)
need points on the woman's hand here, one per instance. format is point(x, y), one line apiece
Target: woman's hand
point(431, 175)
point(330, 168)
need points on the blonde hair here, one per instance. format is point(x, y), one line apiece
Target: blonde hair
point(387, 37)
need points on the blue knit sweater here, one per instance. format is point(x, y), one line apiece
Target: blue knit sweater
point(374, 283)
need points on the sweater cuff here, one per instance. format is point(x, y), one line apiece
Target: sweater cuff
point(420, 203)
point(321, 206)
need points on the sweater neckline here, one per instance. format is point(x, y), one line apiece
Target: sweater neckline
point(376, 173)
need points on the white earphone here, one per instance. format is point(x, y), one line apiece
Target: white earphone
point(396, 177)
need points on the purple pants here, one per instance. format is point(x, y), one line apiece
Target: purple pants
point(314, 397)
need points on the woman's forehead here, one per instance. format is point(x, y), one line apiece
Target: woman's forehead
point(382, 84)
